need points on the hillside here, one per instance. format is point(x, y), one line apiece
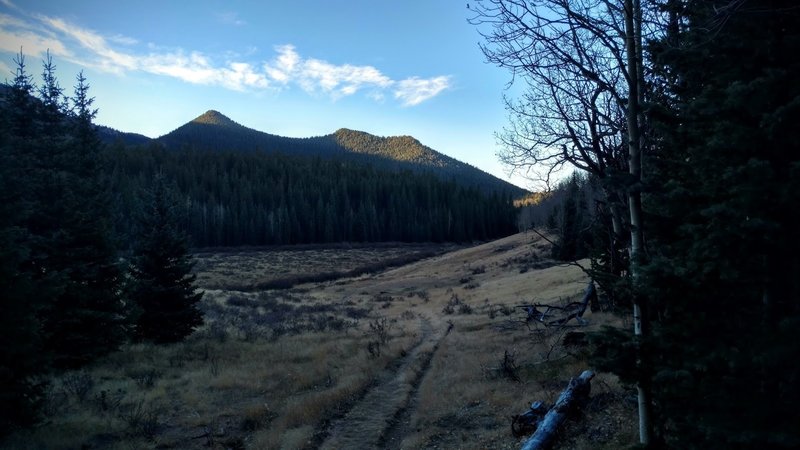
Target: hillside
point(408, 150)
point(260, 198)
point(245, 187)
point(213, 130)
point(112, 136)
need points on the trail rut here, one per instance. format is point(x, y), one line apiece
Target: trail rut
point(372, 419)
point(400, 425)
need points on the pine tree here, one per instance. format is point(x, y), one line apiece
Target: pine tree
point(87, 317)
point(161, 270)
point(722, 221)
point(21, 358)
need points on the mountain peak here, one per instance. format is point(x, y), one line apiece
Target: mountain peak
point(213, 117)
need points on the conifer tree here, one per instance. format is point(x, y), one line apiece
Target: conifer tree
point(87, 317)
point(725, 280)
point(161, 270)
point(723, 178)
point(20, 334)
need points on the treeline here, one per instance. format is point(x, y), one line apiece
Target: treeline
point(258, 198)
point(721, 200)
point(571, 213)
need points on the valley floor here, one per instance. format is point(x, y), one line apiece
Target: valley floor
point(410, 357)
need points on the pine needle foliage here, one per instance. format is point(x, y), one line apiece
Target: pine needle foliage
point(161, 270)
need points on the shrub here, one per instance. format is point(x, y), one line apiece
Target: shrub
point(455, 302)
point(78, 384)
point(141, 420)
point(240, 301)
point(145, 378)
point(108, 402)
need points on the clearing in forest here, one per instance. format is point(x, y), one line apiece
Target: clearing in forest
point(408, 357)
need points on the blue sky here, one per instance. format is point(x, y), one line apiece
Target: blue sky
point(294, 68)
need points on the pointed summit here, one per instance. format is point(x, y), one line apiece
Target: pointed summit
point(212, 117)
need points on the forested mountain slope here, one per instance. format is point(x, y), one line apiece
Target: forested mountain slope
point(245, 187)
point(261, 198)
point(214, 131)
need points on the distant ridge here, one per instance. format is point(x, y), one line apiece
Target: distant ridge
point(213, 130)
point(398, 148)
point(111, 136)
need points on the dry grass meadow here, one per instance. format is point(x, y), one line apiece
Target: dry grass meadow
point(409, 357)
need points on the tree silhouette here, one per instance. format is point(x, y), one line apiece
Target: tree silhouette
point(161, 270)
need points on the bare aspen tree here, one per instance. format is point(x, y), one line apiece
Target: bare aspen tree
point(582, 65)
point(570, 57)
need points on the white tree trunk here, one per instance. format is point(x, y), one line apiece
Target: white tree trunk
point(634, 76)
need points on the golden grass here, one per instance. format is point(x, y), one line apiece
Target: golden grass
point(282, 387)
point(249, 269)
point(226, 388)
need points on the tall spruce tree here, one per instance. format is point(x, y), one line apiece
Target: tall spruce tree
point(161, 270)
point(724, 178)
point(87, 318)
point(727, 280)
point(61, 304)
point(21, 359)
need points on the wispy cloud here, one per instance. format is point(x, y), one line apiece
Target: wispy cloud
point(284, 65)
point(316, 75)
point(106, 57)
point(198, 69)
point(123, 40)
point(16, 33)
point(230, 18)
point(413, 91)
point(286, 69)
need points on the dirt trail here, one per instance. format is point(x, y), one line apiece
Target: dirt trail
point(368, 424)
point(400, 425)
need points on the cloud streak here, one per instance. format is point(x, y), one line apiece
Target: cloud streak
point(285, 70)
point(413, 91)
point(231, 18)
point(315, 75)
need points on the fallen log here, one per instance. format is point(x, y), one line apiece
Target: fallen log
point(553, 315)
point(527, 422)
point(569, 400)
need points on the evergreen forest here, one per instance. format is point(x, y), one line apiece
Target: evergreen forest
point(235, 198)
point(680, 118)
